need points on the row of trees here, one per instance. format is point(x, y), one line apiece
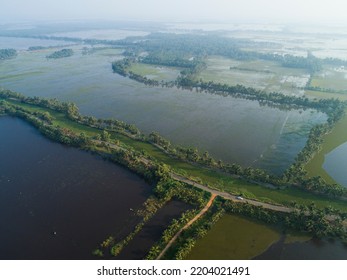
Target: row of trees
point(183, 45)
point(317, 222)
point(182, 246)
point(329, 90)
point(7, 53)
point(186, 80)
point(332, 107)
point(61, 54)
point(72, 112)
point(308, 219)
point(294, 176)
point(304, 218)
point(165, 190)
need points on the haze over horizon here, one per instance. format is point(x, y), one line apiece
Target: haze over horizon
point(297, 11)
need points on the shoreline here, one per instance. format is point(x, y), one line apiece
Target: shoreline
point(331, 141)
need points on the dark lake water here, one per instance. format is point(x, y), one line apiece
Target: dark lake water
point(47, 188)
point(336, 164)
point(231, 129)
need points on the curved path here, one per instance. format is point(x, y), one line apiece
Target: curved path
point(202, 212)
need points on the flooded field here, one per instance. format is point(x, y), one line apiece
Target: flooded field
point(224, 126)
point(152, 231)
point(158, 73)
point(329, 161)
point(24, 43)
point(102, 34)
point(58, 202)
point(235, 237)
point(335, 164)
point(61, 203)
point(313, 249)
point(332, 78)
point(259, 74)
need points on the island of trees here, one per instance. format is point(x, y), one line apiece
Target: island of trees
point(7, 53)
point(61, 54)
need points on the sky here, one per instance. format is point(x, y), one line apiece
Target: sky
point(278, 11)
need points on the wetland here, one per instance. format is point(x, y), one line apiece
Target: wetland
point(56, 200)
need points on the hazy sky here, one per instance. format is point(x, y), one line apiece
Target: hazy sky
point(223, 10)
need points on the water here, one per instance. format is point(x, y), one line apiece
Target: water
point(58, 202)
point(335, 164)
point(24, 43)
point(314, 249)
point(152, 231)
point(236, 237)
point(231, 129)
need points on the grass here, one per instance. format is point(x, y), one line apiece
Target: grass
point(296, 236)
point(155, 72)
point(233, 237)
point(330, 78)
point(332, 140)
point(213, 178)
point(325, 95)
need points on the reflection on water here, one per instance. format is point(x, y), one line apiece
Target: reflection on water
point(335, 164)
point(58, 202)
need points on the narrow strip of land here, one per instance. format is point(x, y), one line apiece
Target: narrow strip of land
point(229, 196)
point(214, 192)
point(202, 212)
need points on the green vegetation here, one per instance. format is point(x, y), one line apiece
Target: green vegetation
point(330, 80)
point(186, 241)
point(62, 122)
point(71, 127)
point(268, 76)
point(310, 220)
point(325, 95)
point(232, 238)
point(7, 53)
point(61, 54)
point(319, 205)
point(37, 48)
point(335, 138)
point(165, 191)
point(159, 73)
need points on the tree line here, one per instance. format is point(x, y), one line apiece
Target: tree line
point(295, 176)
point(61, 54)
point(309, 219)
point(7, 54)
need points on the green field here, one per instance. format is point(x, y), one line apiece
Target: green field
point(210, 177)
point(260, 74)
point(331, 78)
point(325, 95)
point(234, 237)
point(155, 72)
point(332, 140)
